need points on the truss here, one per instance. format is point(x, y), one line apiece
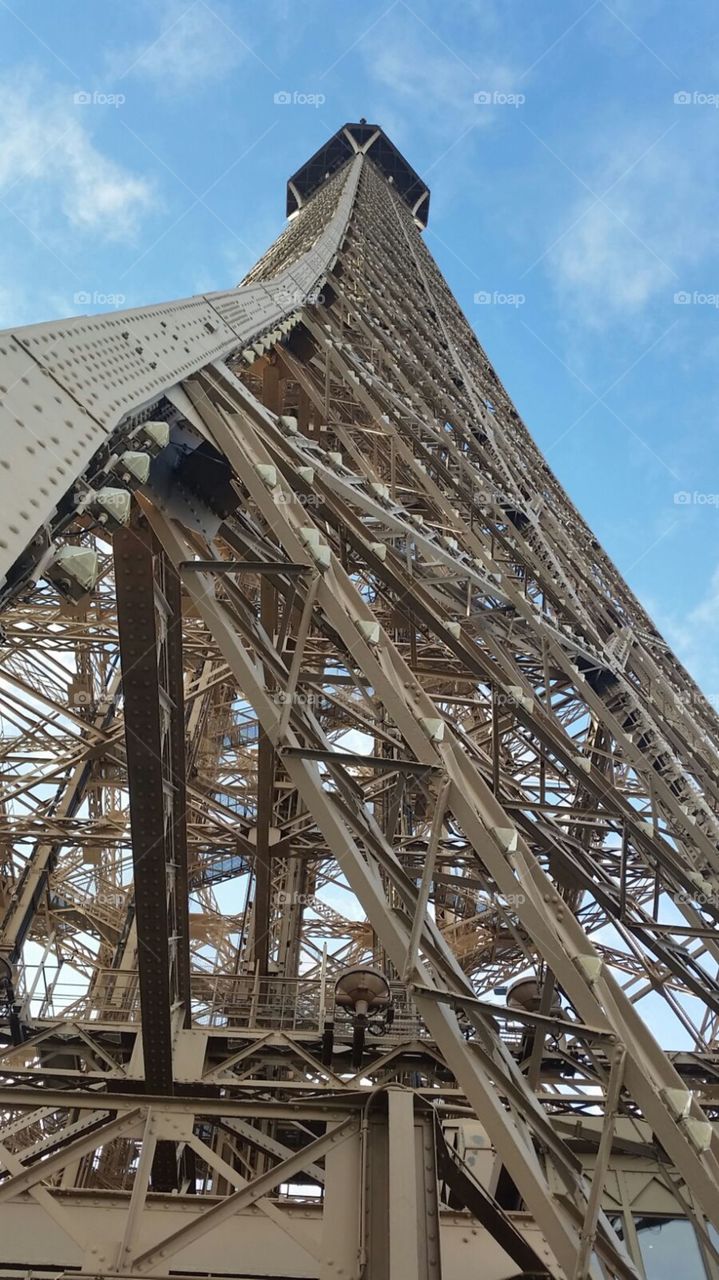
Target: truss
point(348, 682)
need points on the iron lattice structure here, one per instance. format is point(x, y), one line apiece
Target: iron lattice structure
point(346, 682)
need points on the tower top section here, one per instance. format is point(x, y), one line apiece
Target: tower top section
point(359, 139)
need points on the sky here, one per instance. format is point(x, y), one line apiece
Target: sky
point(571, 149)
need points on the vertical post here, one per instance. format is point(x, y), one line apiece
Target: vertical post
point(271, 395)
point(265, 793)
point(255, 996)
point(623, 875)
point(495, 743)
point(589, 1226)
point(404, 1208)
point(175, 688)
point(425, 884)
point(400, 1220)
point(148, 594)
point(323, 987)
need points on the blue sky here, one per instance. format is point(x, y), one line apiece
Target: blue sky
point(582, 189)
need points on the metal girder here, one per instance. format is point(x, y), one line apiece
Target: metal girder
point(428, 730)
point(383, 1208)
point(243, 1198)
point(401, 1197)
point(250, 460)
point(267, 1249)
point(150, 632)
point(151, 648)
point(470, 1193)
point(368, 887)
point(84, 375)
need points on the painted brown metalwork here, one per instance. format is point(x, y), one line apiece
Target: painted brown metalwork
point(386, 707)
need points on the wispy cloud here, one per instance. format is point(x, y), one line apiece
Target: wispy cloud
point(695, 637)
point(193, 44)
point(602, 268)
point(610, 258)
point(48, 158)
point(415, 62)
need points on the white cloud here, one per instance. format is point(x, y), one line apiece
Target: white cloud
point(602, 267)
point(695, 638)
point(421, 70)
point(636, 247)
point(195, 45)
point(48, 158)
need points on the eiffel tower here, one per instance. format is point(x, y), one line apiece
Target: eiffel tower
point(359, 829)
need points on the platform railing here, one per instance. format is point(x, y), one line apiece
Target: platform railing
point(239, 1001)
point(218, 1000)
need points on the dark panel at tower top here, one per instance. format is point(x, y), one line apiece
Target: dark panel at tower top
point(348, 141)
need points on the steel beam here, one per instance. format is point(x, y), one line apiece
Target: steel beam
point(150, 621)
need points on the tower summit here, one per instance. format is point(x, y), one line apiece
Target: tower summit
point(359, 829)
point(366, 140)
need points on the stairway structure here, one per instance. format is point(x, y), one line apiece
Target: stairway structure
point(359, 830)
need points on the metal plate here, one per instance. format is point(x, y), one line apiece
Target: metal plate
point(46, 441)
point(114, 363)
point(68, 383)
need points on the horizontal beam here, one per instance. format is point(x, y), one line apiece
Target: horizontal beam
point(241, 566)
point(355, 758)
point(330, 1109)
